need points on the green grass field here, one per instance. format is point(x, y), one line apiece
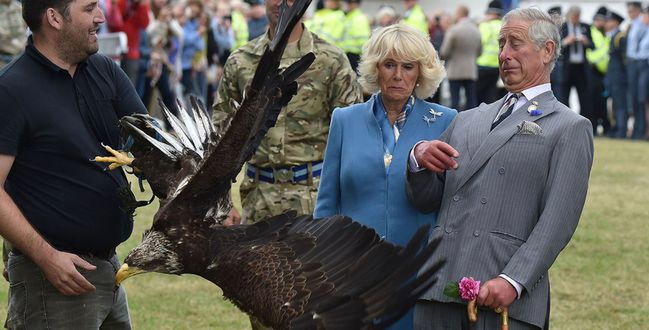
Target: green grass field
point(597, 282)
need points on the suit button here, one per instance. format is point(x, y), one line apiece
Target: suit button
point(483, 200)
point(456, 198)
point(447, 230)
point(476, 233)
point(501, 170)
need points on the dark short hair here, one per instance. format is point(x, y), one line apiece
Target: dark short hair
point(33, 11)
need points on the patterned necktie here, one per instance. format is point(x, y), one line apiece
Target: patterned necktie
point(574, 33)
point(506, 109)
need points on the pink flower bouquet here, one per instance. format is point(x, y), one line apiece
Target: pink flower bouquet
point(468, 289)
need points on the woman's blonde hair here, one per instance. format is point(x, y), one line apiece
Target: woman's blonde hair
point(405, 44)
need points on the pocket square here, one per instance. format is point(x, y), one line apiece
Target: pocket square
point(529, 128)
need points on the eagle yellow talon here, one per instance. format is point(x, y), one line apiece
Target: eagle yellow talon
point(119, 158)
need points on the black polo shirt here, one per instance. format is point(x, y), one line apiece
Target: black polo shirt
point(54, 124)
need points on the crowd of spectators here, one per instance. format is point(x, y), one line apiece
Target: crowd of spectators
point(178, 47)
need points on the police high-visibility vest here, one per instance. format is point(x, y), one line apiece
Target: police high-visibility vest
point(240, 28)
point(356, 33)
point(598, 56)
point(416, 18)
point(328, 24)
point(489, 34)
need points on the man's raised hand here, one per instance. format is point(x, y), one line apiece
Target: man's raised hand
point(436, 156)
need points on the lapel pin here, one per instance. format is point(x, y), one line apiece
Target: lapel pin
point(533, 109)
point(434, 115)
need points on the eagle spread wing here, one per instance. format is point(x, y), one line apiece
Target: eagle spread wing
point(287, 271)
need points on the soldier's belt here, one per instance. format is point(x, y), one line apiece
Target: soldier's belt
point(293, 174)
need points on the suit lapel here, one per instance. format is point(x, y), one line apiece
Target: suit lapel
point(494, 140)
point(479, 128)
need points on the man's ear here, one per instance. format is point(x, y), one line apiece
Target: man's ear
point(54, 19)
point(549, 47)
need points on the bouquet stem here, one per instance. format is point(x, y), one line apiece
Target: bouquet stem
point(505, 317)
point(472, 310)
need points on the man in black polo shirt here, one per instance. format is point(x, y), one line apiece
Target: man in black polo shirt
point(58, 103)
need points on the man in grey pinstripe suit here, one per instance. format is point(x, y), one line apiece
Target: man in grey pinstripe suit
point(509, 180)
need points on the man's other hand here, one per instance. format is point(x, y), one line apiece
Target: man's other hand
point(436, 156)
point(496, 293)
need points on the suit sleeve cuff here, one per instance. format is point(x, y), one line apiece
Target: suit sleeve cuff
point(516, 285)
point(413, 166)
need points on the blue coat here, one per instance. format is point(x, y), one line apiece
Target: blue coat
point(354, 180)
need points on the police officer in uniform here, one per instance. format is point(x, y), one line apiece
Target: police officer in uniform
point(414, 16)
point(488, 60)
point(616, 79)
point(598, 59)
point(357, 31)
point(326, 22)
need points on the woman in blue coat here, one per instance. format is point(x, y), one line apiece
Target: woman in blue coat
point(364, 169)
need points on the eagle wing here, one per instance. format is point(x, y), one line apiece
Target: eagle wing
point(331, 273)
point(196, 164)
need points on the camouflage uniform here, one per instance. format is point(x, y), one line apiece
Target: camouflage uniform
point(13, 36)
point(300, 135)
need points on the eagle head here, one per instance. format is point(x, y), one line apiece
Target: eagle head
point(154, 254)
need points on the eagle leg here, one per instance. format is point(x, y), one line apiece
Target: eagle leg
point(118, 158)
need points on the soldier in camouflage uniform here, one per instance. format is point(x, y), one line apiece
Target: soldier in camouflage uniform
point(284, 172)
point(13, 32)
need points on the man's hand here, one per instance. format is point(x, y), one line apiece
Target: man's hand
point(496, 293)
point(569, 40)
point(234, 218)
point(60, 270)
point(436, 156)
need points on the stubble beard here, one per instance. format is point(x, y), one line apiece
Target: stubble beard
point(75, 47)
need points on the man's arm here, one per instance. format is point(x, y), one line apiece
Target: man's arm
point(223, 110)
point(59, 267)
point(227, 92)
point(588, 38)
point(127, 102)
point(425, 188)
point(447, 45)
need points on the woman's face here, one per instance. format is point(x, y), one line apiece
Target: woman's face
point(397, 79)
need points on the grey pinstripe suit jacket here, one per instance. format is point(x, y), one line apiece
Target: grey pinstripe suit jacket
point(513, 203)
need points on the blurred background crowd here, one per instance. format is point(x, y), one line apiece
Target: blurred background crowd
point(173, 48)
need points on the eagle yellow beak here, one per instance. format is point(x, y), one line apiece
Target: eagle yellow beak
point(125, 272)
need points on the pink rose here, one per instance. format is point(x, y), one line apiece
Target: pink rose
point(469, 288)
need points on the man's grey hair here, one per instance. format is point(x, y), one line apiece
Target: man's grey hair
point(543, 27)
point(573, 10)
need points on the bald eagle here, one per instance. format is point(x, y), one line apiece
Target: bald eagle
point(288, 271)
